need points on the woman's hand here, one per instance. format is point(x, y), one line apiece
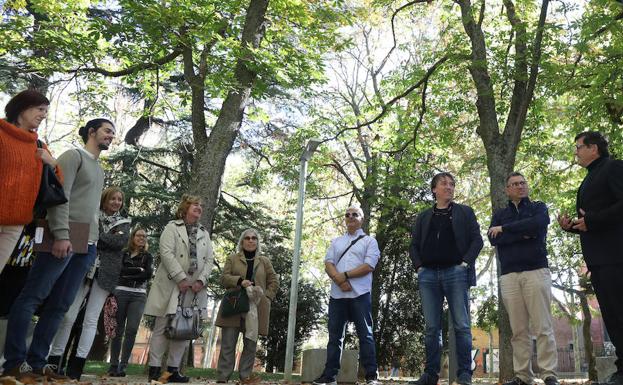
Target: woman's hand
point(246, 283)
point(183, 285)
point(45, 157)
point(197, 286)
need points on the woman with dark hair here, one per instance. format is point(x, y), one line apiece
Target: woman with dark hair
point(248, 269)
point(186, 261)
point(131, 294)
point(21, 165)
point(113, 236)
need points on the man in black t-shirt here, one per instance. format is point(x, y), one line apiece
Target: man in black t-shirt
point(445, 243)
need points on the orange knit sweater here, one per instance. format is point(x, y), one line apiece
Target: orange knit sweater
point(20, 174)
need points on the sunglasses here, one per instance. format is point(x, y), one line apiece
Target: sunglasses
point(354, 215)
point(250, 238)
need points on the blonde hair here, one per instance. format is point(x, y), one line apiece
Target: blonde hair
point(108, 193)
point(131, 247)
point(185, 203)
point(244, 234)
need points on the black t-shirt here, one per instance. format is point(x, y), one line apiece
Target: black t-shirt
point(440, 246)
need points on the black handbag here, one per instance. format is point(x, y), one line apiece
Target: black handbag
point(186, 323)
point(235, 301)
point(51, 191)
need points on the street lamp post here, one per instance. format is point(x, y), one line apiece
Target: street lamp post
point(311, 146)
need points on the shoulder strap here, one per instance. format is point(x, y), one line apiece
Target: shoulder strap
point(79, 165)
point(39, 144)
point(349, 246)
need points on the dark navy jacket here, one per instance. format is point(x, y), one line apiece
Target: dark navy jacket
point(466, 234)
point(521, 245)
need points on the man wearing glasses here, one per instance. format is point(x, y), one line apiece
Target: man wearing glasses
point(349, 263)
point(444, 245)
point(599, 207)
point(518, 231)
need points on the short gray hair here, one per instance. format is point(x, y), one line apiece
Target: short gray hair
point(246, 232)
point(357, 209)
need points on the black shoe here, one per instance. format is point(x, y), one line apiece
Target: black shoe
point(615, 378)
point(56, 361)
point(551, 380)
point(467, 380)
point(516, 381)
point(75, 367)
point(176, 376)
point(322, 380)
point(112, 370)
point(154, 373)
point(425, 379)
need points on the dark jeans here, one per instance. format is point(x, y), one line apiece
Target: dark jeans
point(359, 311)
point(57, 280)
point(606, 281)
point(130, 307)
point(453, 284)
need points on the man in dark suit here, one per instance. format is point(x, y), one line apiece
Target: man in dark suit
point(599, 222)
point(445, 243)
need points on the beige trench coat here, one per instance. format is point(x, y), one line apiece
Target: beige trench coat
point(173, 268)
point(265, 277)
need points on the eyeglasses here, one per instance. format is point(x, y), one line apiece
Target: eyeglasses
point(579, 146)
point(517, 184)
point(250, 238)
point(354, 215)
point(140, 236)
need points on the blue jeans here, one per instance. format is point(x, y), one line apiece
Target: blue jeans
point(57, 280)
point(453, 284)
point(359, 311)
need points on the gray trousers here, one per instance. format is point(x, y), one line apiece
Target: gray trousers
point(227, 357)
point(130, 307)
point(160, 343)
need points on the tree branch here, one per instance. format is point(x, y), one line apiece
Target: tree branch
point(132, 69)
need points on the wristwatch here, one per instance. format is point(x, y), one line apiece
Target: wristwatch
point(346, 275)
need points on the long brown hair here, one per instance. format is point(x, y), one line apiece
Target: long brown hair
point(131, 247)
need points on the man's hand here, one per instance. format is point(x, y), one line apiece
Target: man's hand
point(345, 286)
point(61, 248)
point(197, 286)
point(183, 285)
point(339, 278)
point(579, 223)
point(494, 231)
point(246, 283)
point(565, 222)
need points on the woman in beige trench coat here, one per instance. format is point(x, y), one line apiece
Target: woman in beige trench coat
point(186, 259)
point(247, 267)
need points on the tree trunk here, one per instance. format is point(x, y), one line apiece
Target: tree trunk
point(588, 342)
point(212, 152)
point(501, 149)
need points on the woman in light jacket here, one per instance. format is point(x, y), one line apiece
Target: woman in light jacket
point(245, 268)
point(185, 263)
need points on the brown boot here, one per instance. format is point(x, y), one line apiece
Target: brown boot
point(23, 373)
point(49, 371)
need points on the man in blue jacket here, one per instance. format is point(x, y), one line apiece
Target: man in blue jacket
point(518, 231)
point(444, 245)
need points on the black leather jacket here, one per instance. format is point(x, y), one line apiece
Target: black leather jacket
point(137, 270)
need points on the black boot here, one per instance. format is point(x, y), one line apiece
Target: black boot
point(154, 373)
point(176, 376)
point(55, 364)
point(75, 366)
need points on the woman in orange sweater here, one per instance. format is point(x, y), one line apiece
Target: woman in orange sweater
point(21, 165)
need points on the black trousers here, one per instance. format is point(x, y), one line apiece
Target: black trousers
point(606, 281)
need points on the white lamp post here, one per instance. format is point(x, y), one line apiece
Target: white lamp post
point(311, 146)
